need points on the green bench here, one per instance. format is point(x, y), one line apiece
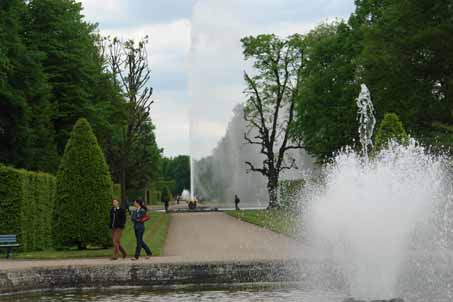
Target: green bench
point(8, 242)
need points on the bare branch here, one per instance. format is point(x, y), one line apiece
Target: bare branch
point(254, 169)
point(291, 166)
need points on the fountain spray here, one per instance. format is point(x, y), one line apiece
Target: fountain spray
point(379, 219)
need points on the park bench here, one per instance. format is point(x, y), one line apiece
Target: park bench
point(9, 242)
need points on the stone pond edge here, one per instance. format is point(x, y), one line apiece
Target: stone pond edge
point(161, 275)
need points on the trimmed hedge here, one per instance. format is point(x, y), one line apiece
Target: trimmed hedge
point(84, 192)
point(391, 128)
point(26, 207)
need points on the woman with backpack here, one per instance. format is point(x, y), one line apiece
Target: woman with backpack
point(139, 217)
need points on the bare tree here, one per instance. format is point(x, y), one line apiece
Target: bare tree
point(128, 61)
point(272, 92)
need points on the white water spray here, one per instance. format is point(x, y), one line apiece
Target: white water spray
point(372, 217)
point(367, 121)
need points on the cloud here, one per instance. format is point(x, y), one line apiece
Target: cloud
point(123, 13)
point(104, 12)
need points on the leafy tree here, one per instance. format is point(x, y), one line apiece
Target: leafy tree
point(177, 169)
point(408, 65)
point(84, 192)
point(165, 194)
point(326, 109)
point(13, 105)
point(390, 128)
point(144, 158)
point(54, 69)
point(72, 63)
point(401, 50)
point(26, 134)
point(270, 108)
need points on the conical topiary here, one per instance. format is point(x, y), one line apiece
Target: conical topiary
point(84, 192)
point(391, 128)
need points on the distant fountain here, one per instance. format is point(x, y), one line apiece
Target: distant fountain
point(186, 195)
point(219, 176)
point(192, 184)
point(381, 220)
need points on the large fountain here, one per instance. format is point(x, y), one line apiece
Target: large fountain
point(383, 220)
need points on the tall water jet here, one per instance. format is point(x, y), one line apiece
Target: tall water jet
point(367, 121)
point(379, 220)
point(191, 179)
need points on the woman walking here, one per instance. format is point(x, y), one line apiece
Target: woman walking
point(138, 218)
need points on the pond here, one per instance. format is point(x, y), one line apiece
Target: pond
point(272, 292)
point(137, 295)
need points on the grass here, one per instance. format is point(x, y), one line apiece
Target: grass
point(275, 220)
point(155, 235)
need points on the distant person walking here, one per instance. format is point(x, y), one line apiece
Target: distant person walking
point(236, 202)
point(117, 223)
point(166, 198)
point(139, 217)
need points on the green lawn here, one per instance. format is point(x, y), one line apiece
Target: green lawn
point(156, 233)
point(274, 220)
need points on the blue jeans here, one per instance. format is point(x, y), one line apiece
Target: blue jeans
point(140, 243)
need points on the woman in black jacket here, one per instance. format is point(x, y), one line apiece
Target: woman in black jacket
point(117, 223)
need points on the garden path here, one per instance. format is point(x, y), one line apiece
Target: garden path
point(218, 236)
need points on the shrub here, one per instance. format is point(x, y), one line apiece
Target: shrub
point(84, 192)
point(26, 207)
point(391, 128)
point(290, 193)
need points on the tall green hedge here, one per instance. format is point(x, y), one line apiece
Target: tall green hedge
point(26, 207)
point(84, 192)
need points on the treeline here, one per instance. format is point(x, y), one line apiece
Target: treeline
point(56, 68)
point(402, 50)
point(177, 169)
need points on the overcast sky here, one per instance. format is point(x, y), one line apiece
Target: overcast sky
point(196, 55)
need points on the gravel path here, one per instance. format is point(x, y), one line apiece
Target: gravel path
point(196, 238)
point(219, 236)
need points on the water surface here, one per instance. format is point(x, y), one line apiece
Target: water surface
point(149, 295)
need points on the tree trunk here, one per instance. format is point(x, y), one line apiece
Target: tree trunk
point(123, 188)
point(272, 188)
